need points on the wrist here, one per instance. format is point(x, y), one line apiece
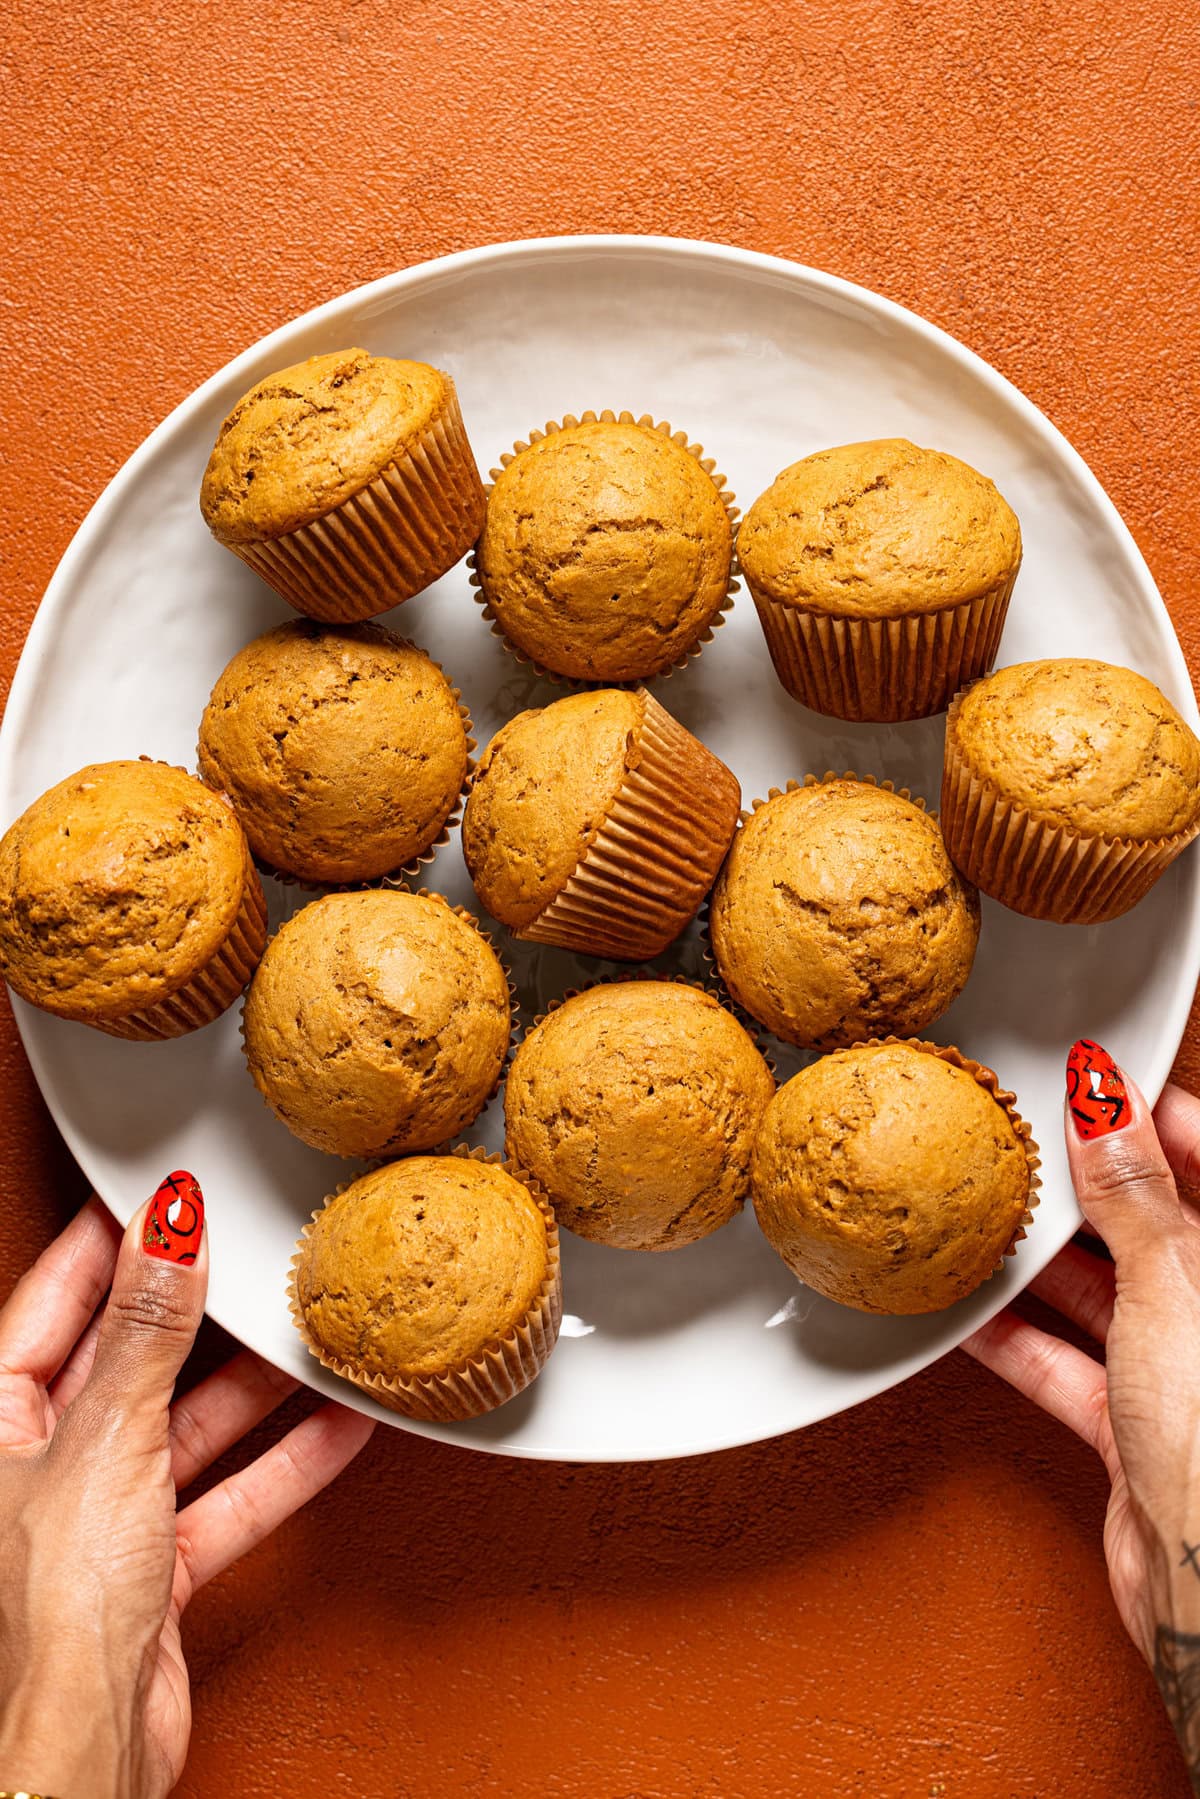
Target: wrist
point(55, 1742)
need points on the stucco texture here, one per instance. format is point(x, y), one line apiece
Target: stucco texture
point(908, 1602)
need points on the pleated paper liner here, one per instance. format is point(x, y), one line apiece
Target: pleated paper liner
point(393, 538)
point(711, 626)
point(1039, 868)
point(650, 862)
point(883, 670)
point(497, 1373)
point(514, 1036)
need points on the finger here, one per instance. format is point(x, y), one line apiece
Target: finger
point(219, 1411)
point(153, 1311)
point(1123, 1180)
point(1062, 1380)
point(237, 1514)
point(72, 1376)
point(1080, 1285)
point(52, 1303)
point(1177, 1121)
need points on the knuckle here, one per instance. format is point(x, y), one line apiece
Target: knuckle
point(151, 1311)
point(1129, 1168)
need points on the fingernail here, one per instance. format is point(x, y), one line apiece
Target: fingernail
point(1097, 1097)
point(175, 1219)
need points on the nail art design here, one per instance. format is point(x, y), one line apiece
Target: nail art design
point(1096, 1092)
point(175, 1220)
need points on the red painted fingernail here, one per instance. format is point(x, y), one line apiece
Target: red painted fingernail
point(175, 1220)
point(1097, 1097)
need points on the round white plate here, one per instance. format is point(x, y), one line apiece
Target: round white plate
point(761, 362)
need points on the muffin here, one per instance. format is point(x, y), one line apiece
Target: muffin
point(894, 1177)
point(346, 482)
point(128, 901)
point(1069, 787)
point(634, 1106)
point(378, 1023)
point(606, 549)
point(882, 575)
point(342, 748)
point(598, 824)
point(839, 916)
point(433, 1284)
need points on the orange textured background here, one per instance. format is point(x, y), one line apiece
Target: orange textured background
point(906, 1601)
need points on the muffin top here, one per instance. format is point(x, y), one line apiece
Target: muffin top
point(341, 748)
point(1084, 744)
point(542, 790)
point(419, 1266)
point(889, 1179)
point(606, 550)
point(635, 1106)
point(307, 438)
point(116, 888)
point(377, 1022)
point(876, 530)
point(839, 915)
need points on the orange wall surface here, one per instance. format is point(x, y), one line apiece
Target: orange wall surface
point(908, 1602)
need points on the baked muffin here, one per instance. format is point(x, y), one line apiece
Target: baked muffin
point(839, 916)
point(606, 549)
point(893, 1177)
point(598, 824)
point(378, 1023)
point(1069, 787)
point(342, 748)
point(433, 1284)
point(635, 1106)
point(346, 482)
point(882, 575)
point(128, 901)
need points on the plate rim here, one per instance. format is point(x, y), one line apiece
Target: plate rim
point(23, 687)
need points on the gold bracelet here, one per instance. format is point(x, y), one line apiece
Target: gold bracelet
point(23, 1795)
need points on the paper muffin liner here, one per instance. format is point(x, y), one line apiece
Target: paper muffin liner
point(1033, 866)
point(733, 586)
point(393, 538)
point(497, 1373)
point(514, 1033)
point(215, 987)
point(882, 670)
point(648, 866)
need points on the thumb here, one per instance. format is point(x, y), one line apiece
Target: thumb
point(155, 1306)
point(1123, 1180)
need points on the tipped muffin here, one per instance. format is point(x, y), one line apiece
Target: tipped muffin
point(342, 748)
point(882, 575)
point(1069, 787)
point(378, 1023)
point(433, 1284)
point(839, 916)
point(893, 1177)
point(598, 824)
point(346, 482)
point(634, 1106)
point(606, 549)
point(129, 902)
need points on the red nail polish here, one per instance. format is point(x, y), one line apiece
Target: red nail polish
point(175, 1220)
point(1096, 1093)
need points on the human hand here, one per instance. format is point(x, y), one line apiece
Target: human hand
point(1140, 1407)
point(97, 1566)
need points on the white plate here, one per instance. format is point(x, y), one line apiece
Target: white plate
point(761, 362)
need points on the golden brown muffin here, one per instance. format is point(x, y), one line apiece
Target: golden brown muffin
point(839, 916)
point(882, 575)
point(635, 1106)
point(342, 749)
point(598, 823)
point(893, 1177)
point(433, 1283)
point(128, 901)
point(378, 1023)
point(346, 481)
point(1069, 787)
point(606, 549)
